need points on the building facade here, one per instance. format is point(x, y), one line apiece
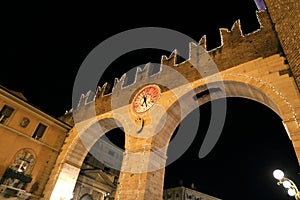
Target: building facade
point(184, 193)
point(97, 179)
point(30, 141)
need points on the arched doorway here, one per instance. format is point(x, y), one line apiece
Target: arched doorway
point(252, 144)
point(99, 172)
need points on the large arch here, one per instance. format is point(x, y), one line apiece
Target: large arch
point(253, 143)
point(268, 93)
point(79, 142)
point(232, 86)
point(238, 85)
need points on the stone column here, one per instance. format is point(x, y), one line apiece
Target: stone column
point(142, 175)
point(293, 130)
point(65, 184)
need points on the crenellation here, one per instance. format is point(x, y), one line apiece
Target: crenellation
point(90, 97)
point(203, 42)
point(118, 83)
point(236, 28)
point(170, 61)
point(236, 48)
point(86, 99)
point(143, 73)
point(106, 89)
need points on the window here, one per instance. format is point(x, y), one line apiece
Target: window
point(5, 113)
point(23, 162)
point(18, 174)
point(39, 131)
point(110, 152)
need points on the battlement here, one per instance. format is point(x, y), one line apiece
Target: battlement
point(236, 48)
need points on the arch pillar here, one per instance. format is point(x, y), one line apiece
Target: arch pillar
point(63, 178)
point(293, 130)
point(144, 161)
point(142, 172)
point(66, 180)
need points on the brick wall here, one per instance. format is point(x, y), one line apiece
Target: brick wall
point(238, 48)
point(285, 15)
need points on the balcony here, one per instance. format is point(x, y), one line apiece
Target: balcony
point(13, 184)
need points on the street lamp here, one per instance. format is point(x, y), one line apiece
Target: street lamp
point(291, 187)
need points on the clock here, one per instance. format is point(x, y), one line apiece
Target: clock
point(145, 98)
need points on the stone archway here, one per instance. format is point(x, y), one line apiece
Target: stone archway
point(142, 173)
point(77, 145)
point(235, 85)
point(232, 89)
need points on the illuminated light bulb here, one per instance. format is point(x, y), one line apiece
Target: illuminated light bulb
point(286, 184)
point(291, 192)
point(278, 174)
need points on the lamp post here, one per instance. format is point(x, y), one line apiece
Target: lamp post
point(291, 187)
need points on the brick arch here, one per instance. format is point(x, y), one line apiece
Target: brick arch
point(74, 151)
point(234, 85)
point(177, 104)
point(77, 145)
point(272, 94)
point(284, 94)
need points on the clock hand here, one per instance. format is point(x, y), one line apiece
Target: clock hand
point(144, 101)
point(142, 126)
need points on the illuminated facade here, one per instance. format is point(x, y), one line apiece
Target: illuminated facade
point(30, 143)
point(184, 193)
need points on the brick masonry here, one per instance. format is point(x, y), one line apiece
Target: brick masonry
point(285, 15)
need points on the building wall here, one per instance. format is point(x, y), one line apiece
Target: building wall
point(285, 15)
point(15, 138)
point(183, 193)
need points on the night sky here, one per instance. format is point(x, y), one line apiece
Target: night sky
point(44, 44)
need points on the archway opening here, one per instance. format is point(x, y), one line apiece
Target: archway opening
point(101, 167)
point(252, 144)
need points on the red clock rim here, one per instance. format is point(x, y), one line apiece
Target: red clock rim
point(141, 90)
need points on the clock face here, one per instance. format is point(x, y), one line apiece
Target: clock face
point(145, 98)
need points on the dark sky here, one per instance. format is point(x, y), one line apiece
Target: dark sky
point(44, 44)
